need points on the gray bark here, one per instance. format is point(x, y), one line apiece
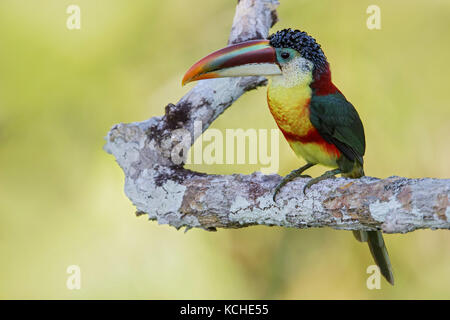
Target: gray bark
point(173, 195)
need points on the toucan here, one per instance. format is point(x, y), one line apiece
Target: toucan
point(319, 123)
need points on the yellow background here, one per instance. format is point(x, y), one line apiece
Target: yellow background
point(61, 195)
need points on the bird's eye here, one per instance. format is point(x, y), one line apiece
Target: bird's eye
point(285, 55)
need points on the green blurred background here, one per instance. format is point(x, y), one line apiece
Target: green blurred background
point(61, 195)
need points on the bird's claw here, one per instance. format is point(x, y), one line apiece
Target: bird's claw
point(327, 175)
point(283, 182)
point(291, 176)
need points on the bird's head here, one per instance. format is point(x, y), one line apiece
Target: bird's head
point(288, 55)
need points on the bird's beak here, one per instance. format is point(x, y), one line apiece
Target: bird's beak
point(251, 58)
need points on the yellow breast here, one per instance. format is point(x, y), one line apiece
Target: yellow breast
point(290, 107)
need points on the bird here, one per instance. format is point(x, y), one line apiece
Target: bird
point(319, 123)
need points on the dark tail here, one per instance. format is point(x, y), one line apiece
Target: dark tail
point(374, 239)
point(379, 251)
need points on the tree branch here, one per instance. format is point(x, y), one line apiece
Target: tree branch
point(173, 195)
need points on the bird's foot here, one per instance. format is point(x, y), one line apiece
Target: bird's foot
point(327, 175)
point(291, 176)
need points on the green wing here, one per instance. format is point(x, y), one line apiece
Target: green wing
point(338, 123)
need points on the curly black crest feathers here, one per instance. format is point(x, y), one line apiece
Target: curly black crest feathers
point(303, 43)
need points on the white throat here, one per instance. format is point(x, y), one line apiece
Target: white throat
point(296, 72)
